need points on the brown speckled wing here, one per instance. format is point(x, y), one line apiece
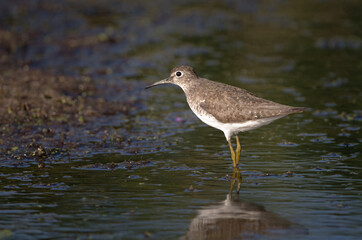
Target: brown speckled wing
point(230, 104)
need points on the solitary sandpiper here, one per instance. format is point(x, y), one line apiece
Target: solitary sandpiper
point(225, 107)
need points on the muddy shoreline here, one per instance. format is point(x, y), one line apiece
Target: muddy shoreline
point(42, 112)
point(52, 113)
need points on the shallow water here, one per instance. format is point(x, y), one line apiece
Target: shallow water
point(169, 176)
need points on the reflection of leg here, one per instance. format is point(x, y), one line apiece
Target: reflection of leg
point(238, 151)
point(236, 177)
point(232, 153)
point(231, 186)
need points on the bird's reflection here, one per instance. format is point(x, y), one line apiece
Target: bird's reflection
point(237, 178)
point(237, 219)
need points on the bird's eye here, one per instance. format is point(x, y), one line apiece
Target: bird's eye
point(178, 74)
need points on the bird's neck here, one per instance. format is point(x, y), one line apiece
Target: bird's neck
point(190, 87)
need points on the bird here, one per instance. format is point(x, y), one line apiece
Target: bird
point(227, 108)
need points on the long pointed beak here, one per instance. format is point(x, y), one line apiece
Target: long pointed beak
point(163, 81)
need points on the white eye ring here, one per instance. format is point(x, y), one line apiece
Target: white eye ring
point(178, 74)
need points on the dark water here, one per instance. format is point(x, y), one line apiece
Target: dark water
point(301, 174)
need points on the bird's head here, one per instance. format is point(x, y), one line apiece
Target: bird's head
point(179, 76)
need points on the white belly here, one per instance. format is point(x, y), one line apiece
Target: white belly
point(230, 129)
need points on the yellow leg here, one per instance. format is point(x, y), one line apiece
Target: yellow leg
point(232, 153)
point(238, 151)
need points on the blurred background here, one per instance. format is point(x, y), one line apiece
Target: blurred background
point(87, 152)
